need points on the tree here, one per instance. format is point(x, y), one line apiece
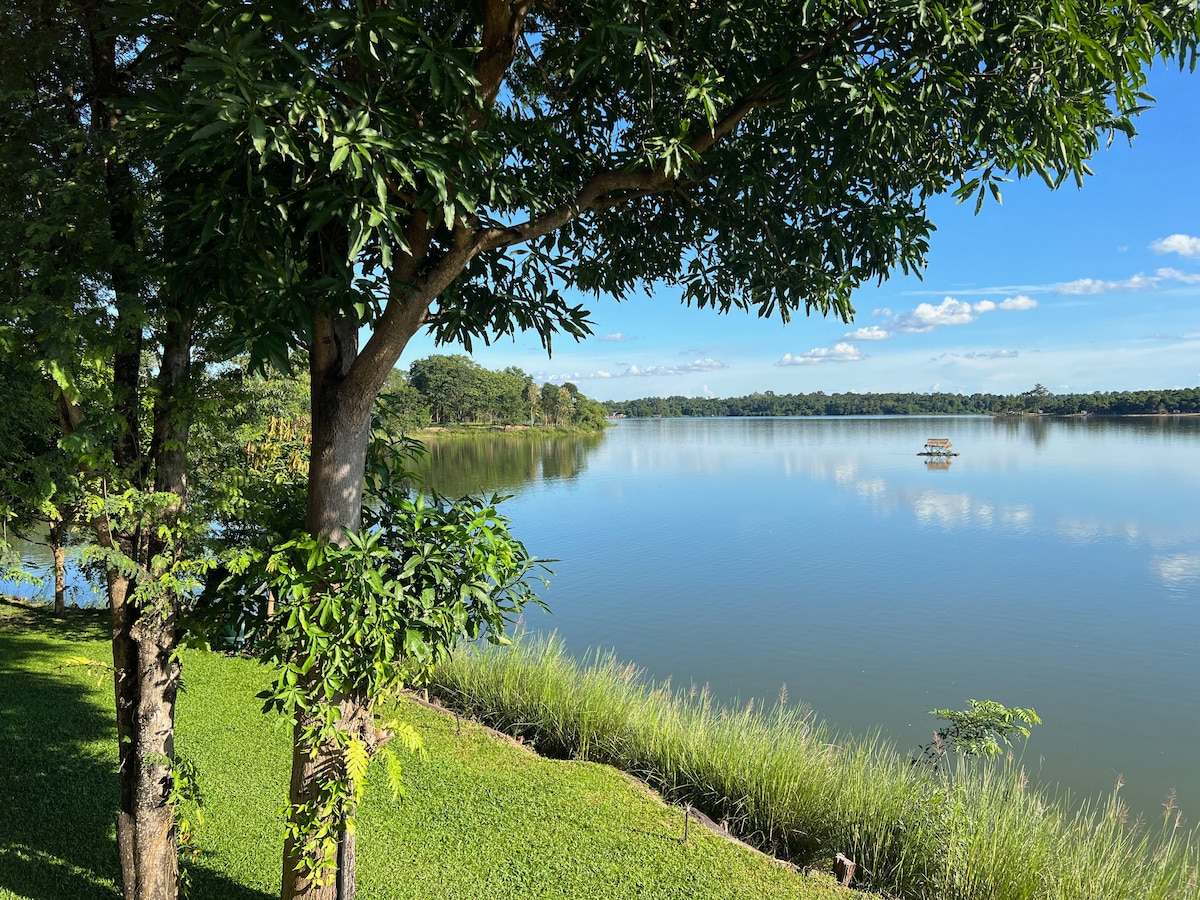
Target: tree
point(550, 402)
point(457, 168)
point(403, 406)
point(454, 386)
point(531, 397)
point(983, 729)
point(87, 294)
point(1032, 399)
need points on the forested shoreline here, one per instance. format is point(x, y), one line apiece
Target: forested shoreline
point(456, 390)
point(1037, 400)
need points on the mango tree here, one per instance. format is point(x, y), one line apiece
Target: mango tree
point(381, 168)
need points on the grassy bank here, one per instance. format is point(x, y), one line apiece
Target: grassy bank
point(483, 817)
point(789, 785)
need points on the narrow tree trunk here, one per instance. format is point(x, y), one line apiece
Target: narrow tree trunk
point(146, 680)
point(59, 551)
point(59, 532)
point(124, 281)
point(155, 839)
point(157, 850)
point(341, 415)
point(146, 672)
point(125, 691)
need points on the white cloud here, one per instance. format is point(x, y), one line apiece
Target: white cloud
point(927, 317)
point(841, 352)
point(1020, 302)
point(981, 354)
point(986, 290)
point(1177, 275)
point(951, 311)
point(1183, 244)
point(884, 311)
point(635, 371)
point(869, 333)
point(708, 392)
point(615, 338)
point(1138, 282)
point(699, 365)
point(1082, 286)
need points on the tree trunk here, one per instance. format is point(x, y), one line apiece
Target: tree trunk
point(125, 690)
point(146, 682)
point(341, 394)
point(340, 429)
point(146, 671)
point(155, 839)
point(308, 771)
point(59, 532)
point(57, 541)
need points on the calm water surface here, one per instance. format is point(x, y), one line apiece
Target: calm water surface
point(1054, 564)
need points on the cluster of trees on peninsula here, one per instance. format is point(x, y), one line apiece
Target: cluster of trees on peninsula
point(445, 390)
point(819, 403)
point(184, 183)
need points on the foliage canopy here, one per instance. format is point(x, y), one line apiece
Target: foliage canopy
point(761, 156)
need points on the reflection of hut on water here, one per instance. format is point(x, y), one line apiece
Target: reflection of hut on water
point(938, 447)
point(939, 463)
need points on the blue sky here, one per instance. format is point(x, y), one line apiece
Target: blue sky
point(1080, 290)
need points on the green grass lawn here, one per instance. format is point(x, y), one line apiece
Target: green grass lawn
point(483, 817)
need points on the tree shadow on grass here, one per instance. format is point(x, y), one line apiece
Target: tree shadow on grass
point(58, 782)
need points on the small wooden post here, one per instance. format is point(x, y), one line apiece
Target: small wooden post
point(843, 869)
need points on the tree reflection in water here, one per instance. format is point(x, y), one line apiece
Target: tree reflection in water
point(459, 464)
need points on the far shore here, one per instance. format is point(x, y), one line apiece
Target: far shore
point(1090, 415)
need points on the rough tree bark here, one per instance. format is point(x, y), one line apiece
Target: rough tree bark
point(146, 670)
point(58, 548)
point(340, 428)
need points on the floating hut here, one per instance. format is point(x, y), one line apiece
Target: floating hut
point(940, 447)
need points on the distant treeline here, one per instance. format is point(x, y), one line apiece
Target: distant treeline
point(449, 390)
point(821, 404)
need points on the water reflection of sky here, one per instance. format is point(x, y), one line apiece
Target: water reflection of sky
point(1173, 552)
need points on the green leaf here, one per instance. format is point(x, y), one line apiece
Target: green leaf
point(339, 157)
point(258, 134)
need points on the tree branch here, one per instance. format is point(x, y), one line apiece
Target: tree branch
point(762, 93)
point(597, 193)
point(408, 307)
point(502, 25)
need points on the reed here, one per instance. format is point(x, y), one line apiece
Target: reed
point(785, 782)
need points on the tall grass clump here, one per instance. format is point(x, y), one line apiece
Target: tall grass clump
point(785, 782)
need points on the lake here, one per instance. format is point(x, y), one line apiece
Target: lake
point(1055, 564)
